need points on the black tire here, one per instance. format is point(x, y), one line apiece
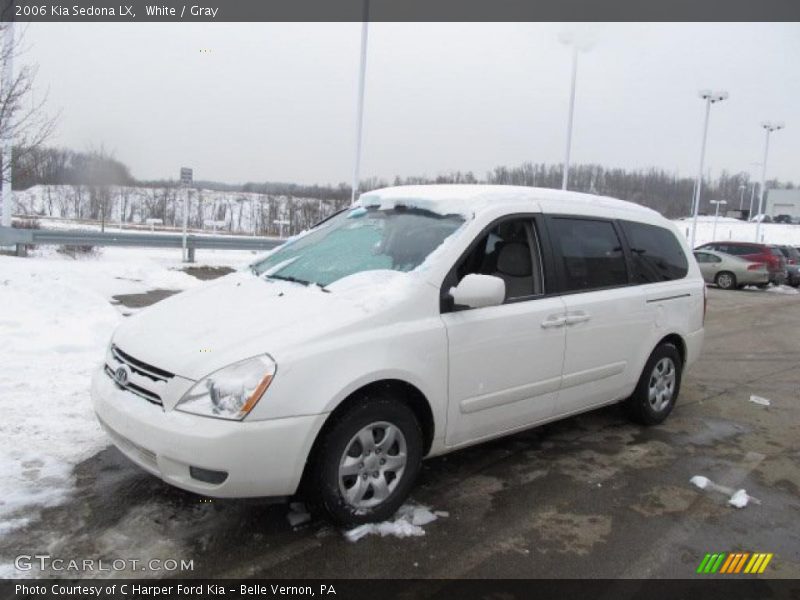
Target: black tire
point(322, 485)
point(641, 406)
point(725, 280)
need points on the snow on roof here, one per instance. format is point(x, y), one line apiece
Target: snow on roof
point(465, 199)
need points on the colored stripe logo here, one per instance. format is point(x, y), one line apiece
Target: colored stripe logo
point(732, 563)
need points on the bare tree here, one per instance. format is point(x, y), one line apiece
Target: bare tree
point(23, 118)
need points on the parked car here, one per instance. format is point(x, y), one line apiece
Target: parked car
point(730, 272)
point(423, 320)
point(783, 219)
point(792, 256)
point(765, 253)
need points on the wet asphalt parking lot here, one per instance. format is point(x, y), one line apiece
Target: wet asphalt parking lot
point(592, 496)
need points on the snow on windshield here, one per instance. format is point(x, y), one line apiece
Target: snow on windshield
point(360, 240)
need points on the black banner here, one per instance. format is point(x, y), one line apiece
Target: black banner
point(399, 10)
point(711, 588)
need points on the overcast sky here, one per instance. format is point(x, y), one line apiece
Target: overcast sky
point(276, 102)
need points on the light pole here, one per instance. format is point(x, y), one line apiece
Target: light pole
point(769, 128)
point(716, 218)
point(710, 98)
point(577, 46)
point(362, 71)
point(752, 197)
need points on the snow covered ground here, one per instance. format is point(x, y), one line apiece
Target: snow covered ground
point(55, 321)
point(740, 231)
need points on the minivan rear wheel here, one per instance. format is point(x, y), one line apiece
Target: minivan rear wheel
point(366, 462)
point(726, 280)
point(658, 387)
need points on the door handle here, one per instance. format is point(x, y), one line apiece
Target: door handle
point(578, 317)
point(554, 321)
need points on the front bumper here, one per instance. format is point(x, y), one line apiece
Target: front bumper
point(261, 458)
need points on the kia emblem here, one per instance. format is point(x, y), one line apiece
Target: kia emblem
point(121, 376)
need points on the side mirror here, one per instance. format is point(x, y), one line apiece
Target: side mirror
point(477, 291)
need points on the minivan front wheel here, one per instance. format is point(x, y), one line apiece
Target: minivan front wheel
point(658, 387)
point(366, 461)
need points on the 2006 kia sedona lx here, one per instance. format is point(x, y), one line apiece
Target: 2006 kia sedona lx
point(422, 320)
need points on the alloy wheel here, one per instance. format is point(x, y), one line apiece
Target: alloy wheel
point(372, 465)
point(661, 387)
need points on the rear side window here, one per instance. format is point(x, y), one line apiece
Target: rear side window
point(657, 255)
point(705, 257)
point(590, 253)
point(743, 250)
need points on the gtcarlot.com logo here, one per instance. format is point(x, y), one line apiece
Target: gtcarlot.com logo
point(45, 562)
point(734, 563)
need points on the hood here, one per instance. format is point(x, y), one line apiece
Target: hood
point(241, 315)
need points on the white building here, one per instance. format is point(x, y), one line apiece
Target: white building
point(782, 202)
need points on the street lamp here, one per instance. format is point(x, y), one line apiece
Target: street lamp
point(578, 45)
point(769, 128)
point(710, 98)
point(362, 71)
point(716, 217)
point(752, 198)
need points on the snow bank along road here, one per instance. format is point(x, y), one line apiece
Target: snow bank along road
point(593, 496)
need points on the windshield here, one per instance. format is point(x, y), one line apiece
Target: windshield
point(357, 240)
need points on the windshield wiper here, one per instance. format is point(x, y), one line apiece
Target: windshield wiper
point(289, 278)
point(298, 280)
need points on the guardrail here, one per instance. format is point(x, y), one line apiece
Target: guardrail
point(22, 238)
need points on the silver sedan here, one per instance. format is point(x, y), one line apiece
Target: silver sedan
point(730, 272)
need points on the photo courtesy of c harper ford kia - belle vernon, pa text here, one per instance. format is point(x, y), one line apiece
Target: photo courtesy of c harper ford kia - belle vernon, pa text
point(400, 299)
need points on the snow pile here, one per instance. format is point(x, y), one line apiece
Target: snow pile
point(783, 289)
point(408, 522)
point(760, 400)
point(700, 481)
point(55, 323)
point(54, 333)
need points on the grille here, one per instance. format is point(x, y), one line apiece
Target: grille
point(137, 366)
point(148, 376)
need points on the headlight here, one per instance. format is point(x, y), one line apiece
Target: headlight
point(231, 392)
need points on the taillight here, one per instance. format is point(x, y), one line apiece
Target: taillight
point(756, 267)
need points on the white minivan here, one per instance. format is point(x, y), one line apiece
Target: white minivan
point(422, 320)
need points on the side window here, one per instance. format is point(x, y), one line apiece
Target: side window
point(705, 257)
point(590, 253)
point(509, 251)
point(657, 255)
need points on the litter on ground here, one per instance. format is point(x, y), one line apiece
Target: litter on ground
point(737, 498)
point(407, 522)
